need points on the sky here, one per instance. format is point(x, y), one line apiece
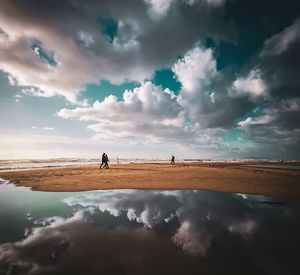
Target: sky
point(150, 78)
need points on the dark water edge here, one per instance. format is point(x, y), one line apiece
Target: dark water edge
point(146, 232)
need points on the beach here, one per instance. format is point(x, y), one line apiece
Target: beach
point(224, 177)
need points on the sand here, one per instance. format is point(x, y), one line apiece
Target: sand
point(218, 177)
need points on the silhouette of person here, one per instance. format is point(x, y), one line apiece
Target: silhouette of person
point(102, 161)
point(106, 160)
point(172, 160)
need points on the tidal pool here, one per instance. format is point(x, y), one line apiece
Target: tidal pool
point(146, 232)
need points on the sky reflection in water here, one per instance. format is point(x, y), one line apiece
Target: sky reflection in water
point(146, 232)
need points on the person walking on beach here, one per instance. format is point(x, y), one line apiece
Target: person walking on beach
point(172, 160)
point(106, 161)
point(103, 161)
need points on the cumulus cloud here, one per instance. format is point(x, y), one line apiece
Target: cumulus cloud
point(148, 208)
point(148, 111)
point(83, 54)
point(198, 115)
point(252, 85)
point(59, 55)
point(198, 213)
point(203, 94)
point(195, 70)
point(19, 255)
point(203, 224)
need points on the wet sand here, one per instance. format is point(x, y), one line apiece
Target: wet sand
point(219, 177)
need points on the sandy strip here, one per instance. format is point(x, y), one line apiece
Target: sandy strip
point(221, 177)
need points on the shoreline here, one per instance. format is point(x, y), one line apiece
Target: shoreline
point(223, 177)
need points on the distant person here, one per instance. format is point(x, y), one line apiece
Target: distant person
point(102, 161)
point(172, 160)
point(106, 161)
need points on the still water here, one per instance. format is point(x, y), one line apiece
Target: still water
point(146, 232)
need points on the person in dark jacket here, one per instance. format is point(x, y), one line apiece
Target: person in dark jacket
point(172, 160)
point(106, 161)
point(103, 161)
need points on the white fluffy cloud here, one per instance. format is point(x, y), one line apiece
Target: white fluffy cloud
point(195, 70)
point(81, 53)
point(159, 8)
point(252, 86)
point(80, 56)
point(149, 208)
point(200, 214)
point(261, 120)
point(147, 110)
point(151, 113)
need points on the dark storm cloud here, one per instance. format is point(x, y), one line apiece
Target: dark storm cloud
point(278, 126)
point(279, 62)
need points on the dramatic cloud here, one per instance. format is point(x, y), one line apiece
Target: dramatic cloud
point(233, 97)
point(149, 208)
point(59, 55)
point(195, 116)
point(204, 91)
point(155, 208)
point(276, 87)
point(192, 229)
point(278, 60)
point(148, 111)
point(195, 70)
point(277, 124)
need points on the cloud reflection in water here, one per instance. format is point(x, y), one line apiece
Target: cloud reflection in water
point(160, 232)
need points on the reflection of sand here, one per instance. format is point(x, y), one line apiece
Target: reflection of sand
point(221, 177)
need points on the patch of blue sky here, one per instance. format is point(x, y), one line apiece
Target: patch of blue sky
point(166, 78)
point(256, 112)
point(29, 111)
point(42, 54)
point(235, 134)
point(99, 91)
point(232, 136)
point(108, 26)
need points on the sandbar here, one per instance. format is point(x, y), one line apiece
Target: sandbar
point(223, 177)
